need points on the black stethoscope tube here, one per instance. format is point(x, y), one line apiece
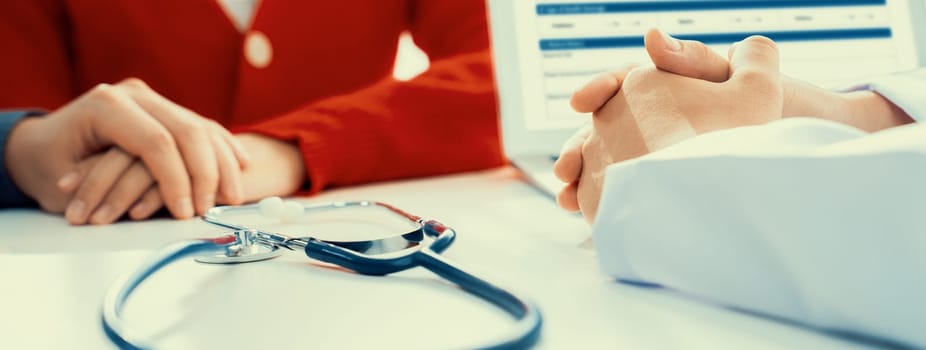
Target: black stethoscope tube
point(524, 335)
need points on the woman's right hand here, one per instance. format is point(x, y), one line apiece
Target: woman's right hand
point(131, 190)
point(191, 158)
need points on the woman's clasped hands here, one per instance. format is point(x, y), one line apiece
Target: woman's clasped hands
point(124, 149)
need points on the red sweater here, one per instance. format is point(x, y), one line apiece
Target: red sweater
point(327, 84)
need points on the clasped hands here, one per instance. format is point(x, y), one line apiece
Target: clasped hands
point(687, 91)
point(124, 149)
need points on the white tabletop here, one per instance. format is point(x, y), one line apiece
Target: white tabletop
point(54, 277)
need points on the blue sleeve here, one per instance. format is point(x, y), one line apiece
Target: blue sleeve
point(10, 195)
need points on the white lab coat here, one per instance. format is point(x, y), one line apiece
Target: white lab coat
point(803, 219)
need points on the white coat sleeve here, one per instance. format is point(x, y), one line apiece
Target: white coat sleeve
point(802, 219)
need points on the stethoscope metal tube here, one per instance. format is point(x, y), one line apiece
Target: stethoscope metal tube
point(247, 244)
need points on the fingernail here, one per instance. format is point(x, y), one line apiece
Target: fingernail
point(185, 206)
point(67, 181)
point(101, 215)
point(672, 44)
point(75, 211)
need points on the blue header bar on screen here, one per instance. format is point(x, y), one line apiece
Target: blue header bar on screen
point(719, 38)
point(690, 5)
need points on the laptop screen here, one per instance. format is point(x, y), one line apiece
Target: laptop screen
point(563, 44)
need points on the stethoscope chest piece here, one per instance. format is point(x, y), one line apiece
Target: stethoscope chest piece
point(244, 251)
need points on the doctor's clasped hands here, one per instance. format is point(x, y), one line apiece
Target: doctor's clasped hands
point(654, 109)
point(691, 90)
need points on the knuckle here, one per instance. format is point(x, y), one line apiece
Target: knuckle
point(762, 41)
point(205, 178)
point(637, 77)
point(91, 195)
point(89, 187)
point(758, 79)
point(197, 124)
point(120, 200)
point(189, 131)
point(209, 123)
point(620, 75)
point(213, 127)
point(769, 90)
point(587, 149)
point(133, 83)
point(707, 55)
point(633, 65)
point(208, 185)
point(100, 88)
point(701, 51)
point(185, 135)
point(563, 166)
point(128, 189)
point(632, 79)
point(106, 94)
point(159, 141)
point(203, 129)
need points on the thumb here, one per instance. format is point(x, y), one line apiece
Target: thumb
point(756, 56)
point(687, 58)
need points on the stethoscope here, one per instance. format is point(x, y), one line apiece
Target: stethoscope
point(420, 245)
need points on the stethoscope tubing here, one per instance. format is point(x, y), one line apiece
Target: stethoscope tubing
point(527, 331)
point(529, 320)
point(524, 335)
point(114, 326)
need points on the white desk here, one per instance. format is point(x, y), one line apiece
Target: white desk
point(54, 276)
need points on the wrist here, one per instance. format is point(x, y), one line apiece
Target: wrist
point(869, 111)
point(277, 168)
point(865, 110)
point(19, 154)
point(806, 100)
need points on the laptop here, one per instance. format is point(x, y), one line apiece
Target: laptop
point(544, 50)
